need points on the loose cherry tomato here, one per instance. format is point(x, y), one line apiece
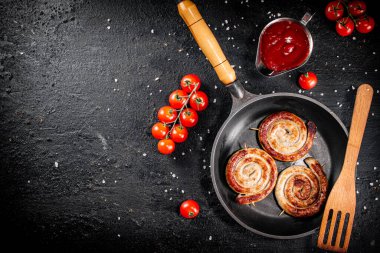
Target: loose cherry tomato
point(160, 130)
point(189, 117)
point(308, 80)
point(344, 26)
point(334, 10)
point(357, 8)
point(365, 24)
point(166, 146)
point(199, 101)
point(177, 99)
point(190, 82)
point(179, 134)
point(189, 209)
point(167, 114)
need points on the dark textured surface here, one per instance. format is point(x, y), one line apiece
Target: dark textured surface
point(79, 169)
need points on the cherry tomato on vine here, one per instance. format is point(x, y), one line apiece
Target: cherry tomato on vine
point(190, 82)
point(160, 130)
point(188, 117)
point(357, 8)
point(344, 26)
point(166, 146)
point(177, 99)
point(179, 134)
point(365, 24)
point(189, 209)
point(334, 10)
point(308, 80)
point(199, 101)
point(167, 114)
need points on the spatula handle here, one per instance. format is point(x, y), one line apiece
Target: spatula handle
point(359, 119)
point(206, 41)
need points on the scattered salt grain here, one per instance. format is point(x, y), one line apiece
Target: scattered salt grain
point(357, 192)
point(200, 138)
point(210, 238)
point(322, 94)
point(377, 91)
point(183, 153)
point(343, 68)
point(375, 70)
point(374, 52)
point(170, 198)
point(144, 154)
point(245, 81)
point(353, 87)
point(365, 73)
point(108, 109)
point(115, 181)
point(182, 191)
point(337, 103)
point(108, 20)
point(214, 100)
point(357, 163)
point(118, 218)
point(374, 168)
point(160, 91)
point(166, 190)
point(118, 235)
point(376, 198)
point(335, 91)
point(28, 181)
point(373, 114)
point(103, 181)
point(116, 80)
point(311, 92)
point(204, 167)
point(152, 31)
point(156, 79)
point(364, 207)
point(216, 87)
point(340, 105)
point(173, 175)
point(354, 38)
point(278, 14)
point(56, 164)
point(108, 27)
point(371, 184)
point(299, 91)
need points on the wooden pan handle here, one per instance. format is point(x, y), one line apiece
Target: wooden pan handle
point(359, 119)
point(206, 41)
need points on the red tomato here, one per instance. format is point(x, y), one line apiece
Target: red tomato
point(167, 114)
point(308, 80)
point(357, 8)
point(190, 82)
point(160, 130)
point(365, 24)
point(344, 26)
point(166, 146)
point(179, 134)
point(189, 209)
point(188, 117)
point(334, 10)
point(177, 99)
point(199, 101)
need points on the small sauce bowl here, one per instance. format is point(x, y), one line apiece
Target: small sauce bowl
point(280, 68)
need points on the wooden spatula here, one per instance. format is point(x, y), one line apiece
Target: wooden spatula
point(341, 203)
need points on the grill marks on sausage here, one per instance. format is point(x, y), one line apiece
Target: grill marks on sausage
point(285, 136)
point(252, 173)
point(301, 191)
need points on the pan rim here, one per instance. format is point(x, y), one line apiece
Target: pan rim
point(212, 168)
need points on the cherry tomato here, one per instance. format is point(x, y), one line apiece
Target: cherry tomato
point(190, 82)
point(167, 114)
point(365, 24)
point(179, 134)
point(308, 80)
point(160, 130)
point(199, 101)
point(344, 26)
point(166, 146)
point(334, 10)
point(357, 8)
point(189, 209)
point(189, 117)
point(177, 99)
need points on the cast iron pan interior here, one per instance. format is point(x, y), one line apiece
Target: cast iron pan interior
point(328, 148)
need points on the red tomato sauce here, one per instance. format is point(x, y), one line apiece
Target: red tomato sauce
point(284, 45)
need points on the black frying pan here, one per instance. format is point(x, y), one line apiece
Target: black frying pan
point(248, 110)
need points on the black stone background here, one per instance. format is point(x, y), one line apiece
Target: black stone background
point(60, 103)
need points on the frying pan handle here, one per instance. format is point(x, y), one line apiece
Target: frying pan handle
point(206, 41)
